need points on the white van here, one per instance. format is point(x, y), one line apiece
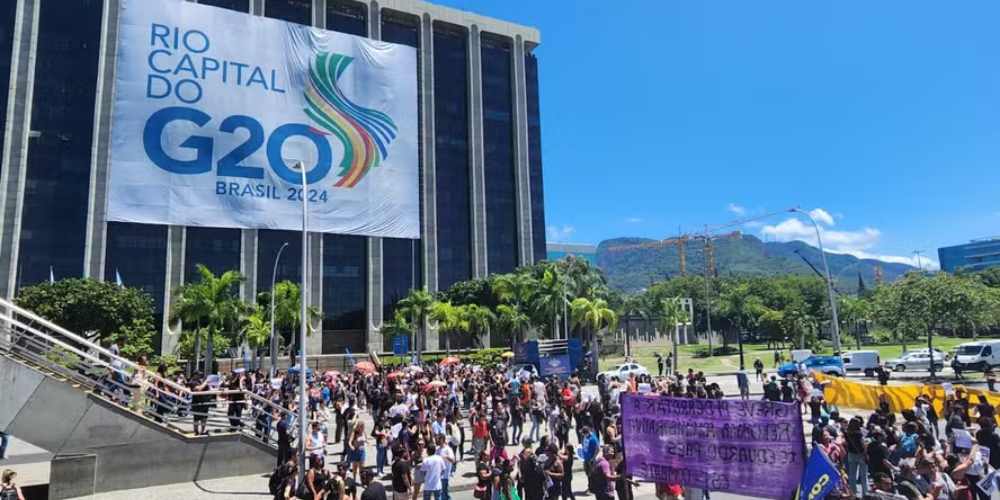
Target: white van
point(977, 356)
point(862, 361)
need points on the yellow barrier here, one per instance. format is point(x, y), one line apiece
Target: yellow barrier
point(850, 394)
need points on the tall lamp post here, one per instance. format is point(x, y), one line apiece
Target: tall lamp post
point(303, 318)
point(835, 325)
point(273, 350)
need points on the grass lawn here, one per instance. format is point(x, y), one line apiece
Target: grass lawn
point(716, 364)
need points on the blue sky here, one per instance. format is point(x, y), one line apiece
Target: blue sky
point(660, 115)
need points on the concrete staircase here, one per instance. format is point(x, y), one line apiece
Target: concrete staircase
point(55, 393)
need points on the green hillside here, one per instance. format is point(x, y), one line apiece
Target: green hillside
point(632, 263)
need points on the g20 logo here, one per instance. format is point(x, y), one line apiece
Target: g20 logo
point(230, 164)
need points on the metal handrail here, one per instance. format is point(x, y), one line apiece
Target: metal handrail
point(101, 371)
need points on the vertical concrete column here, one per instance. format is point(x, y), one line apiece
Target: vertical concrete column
point(319, 13)
point(522, 172)
point(15, 150)
point(373, 302)
point(176, 245)
point(97, 226)
point(257, 7)
point(248, 265)
point(480, 254)
point(428, 236)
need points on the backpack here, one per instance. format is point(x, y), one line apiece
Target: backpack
point(8, 494)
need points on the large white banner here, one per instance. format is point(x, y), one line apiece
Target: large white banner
point(214, 109)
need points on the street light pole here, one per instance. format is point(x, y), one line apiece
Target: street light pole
point(835, 325)
point(273, 350)
point(303, 319)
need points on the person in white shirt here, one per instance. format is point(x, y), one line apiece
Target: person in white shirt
point(433, 470)
point(539, 389)
point(445, 452)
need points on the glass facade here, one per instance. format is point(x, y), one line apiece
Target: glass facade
point(451, 146)
point(7, 12)
point(345, 277)
point(289, 266)
point(401, 270)
point(347, 17)
point(237, 5)
point(218, 249)
point(137, 254)
point(535, 157)
point(295, 11)
point(57, 182)
point(498, 146)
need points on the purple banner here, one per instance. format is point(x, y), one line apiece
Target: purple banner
point(753, 448)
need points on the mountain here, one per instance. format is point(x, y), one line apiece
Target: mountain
point(632, 263)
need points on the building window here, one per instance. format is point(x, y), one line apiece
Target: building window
point(345, 264)
point(7, 12)
point(401, 270)
point(137, 254)
point(347, 17)
point(535, 157)
point(237, 5)
point(57, 184)
point(498, 143)
point(269, 241)
point(451, 146)
point(293, 11)
point(218, 249)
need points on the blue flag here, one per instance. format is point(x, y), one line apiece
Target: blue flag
point(819, 477)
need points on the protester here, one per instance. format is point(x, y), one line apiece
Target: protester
point(9, 490)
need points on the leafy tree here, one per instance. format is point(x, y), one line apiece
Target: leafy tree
point(256, 330)
point(101, 311)
point(288, 312)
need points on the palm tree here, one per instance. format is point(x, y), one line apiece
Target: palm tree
point(417, 306)
point(288, 313)
point(512, 318)
point(595, 315)
point(398, 325)
point(634, 305)
point(209, 301)
point(549, 300)
point(449, 319)
point(480, 319)
point(740, 305)
point(190, 307)
point(256, 331)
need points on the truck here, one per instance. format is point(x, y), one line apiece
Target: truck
point(862, 361)
point(978, 356)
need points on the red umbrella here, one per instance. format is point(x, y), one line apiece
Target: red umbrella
point(451, 360)
point(394, 375)
point(365, 367)
point(431, 386)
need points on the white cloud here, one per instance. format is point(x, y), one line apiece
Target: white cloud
point(633, 220)
point(557, 234)
point(822, 216)
point(859, 243)
point(736, 209)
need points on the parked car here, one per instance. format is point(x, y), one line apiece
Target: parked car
point(866, 361)
point(978, 356)
point(917, 360)
point(622, 371)
point(829, 365)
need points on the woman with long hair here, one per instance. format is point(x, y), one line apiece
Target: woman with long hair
point(8, 489)
point(357, 443)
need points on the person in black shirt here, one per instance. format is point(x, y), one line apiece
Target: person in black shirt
point(787, 393)
point(374, 490)
point(878, 454)
point(402, 478)
point(987, 437)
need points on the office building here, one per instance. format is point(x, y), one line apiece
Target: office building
point(975, 255)
point(482, 207)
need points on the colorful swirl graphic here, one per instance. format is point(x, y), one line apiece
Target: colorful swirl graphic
point(365, 133)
